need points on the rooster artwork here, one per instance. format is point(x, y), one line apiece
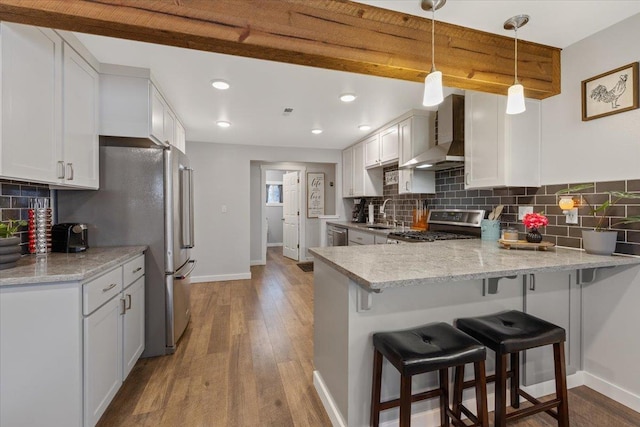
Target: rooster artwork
point(602, 94)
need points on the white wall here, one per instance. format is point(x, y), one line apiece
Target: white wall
point(222, 178)
point(604, 149)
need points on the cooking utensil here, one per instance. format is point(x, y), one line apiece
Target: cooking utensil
point(498, 212)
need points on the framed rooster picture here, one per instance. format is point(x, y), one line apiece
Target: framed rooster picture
point(613, 92)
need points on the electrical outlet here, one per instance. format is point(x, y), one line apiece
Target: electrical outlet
point(523, 210)
point(224, 209)
point(572, 215)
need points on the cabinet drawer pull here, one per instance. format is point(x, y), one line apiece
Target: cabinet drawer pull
point(108, 288)
point(70, 167)
point(136, 270)
point(60, 169)
point(128, 306)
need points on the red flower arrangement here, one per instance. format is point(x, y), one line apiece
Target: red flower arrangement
point(534, 220)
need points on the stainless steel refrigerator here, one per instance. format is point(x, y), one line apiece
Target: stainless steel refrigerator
point(145, 198)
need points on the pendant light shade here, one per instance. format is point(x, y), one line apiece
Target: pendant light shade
point(433, 82)
point(432, 89)
point(515, 98)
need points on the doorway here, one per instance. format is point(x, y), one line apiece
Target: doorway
point(291, 215)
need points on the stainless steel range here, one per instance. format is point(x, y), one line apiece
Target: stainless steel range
point(444, 224)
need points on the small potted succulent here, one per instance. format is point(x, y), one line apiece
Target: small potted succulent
point(533, 221)
point(601, 240)
point(9, 243)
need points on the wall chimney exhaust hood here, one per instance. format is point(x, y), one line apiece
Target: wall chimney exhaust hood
point(449, 150)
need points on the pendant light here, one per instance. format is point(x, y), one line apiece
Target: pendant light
point(515, 98)
point(433, 81)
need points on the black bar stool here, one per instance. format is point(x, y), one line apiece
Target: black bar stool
point(508, 333)
point(428, 348)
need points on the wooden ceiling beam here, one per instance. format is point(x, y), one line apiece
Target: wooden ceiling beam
point(332, 34)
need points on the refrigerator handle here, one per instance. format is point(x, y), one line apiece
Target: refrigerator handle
point(188, 273)
point(187, 208)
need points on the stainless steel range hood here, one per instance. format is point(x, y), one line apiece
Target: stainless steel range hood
point(449, 151)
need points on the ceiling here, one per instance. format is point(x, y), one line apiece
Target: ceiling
point(261, 90)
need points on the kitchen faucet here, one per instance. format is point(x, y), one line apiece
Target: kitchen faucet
point(384, 213)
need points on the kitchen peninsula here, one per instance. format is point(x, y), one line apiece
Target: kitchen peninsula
point(364, 289)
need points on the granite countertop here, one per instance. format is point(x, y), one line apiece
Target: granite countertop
point(377, 267)
point(60, 267)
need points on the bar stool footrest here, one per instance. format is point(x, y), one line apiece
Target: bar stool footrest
point(430, 394)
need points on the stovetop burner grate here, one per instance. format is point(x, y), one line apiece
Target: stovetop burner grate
point(428, 236)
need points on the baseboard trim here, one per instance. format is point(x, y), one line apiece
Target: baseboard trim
point(220, 277)
point(612, 391)
point(257, 262)
point(327, 401)
point(271, 245)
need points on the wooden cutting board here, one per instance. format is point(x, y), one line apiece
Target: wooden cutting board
point(523, 244)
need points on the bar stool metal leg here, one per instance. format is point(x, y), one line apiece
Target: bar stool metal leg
point(561, 384)
point(376, 388)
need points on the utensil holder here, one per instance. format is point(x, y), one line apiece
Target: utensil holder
point(490, 229)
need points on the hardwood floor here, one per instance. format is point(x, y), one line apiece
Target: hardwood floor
point(246, 359)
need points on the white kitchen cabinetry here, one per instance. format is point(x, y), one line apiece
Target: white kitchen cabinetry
point(382, 148)
point(66, 347)
point(360, 238)
point(181, 143)
point(132, 106)
point(133, 317)
point(31, 144)
point(554, 297)
point(357, 181)
point(49, 110)
point(80, 121)
point(415, 135)
point(501, 150)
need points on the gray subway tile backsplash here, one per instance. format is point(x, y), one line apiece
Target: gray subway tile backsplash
point(450, 194)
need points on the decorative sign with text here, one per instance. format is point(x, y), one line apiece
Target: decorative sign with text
point(315, 194)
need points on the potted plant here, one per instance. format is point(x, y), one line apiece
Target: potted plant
point(9, 243)
point(533, 221)
point(601, 240)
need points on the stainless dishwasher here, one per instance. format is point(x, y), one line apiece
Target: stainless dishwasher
point(336, 236)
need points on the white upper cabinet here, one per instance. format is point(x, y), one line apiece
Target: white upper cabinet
point(80, 121)
point(181, 143)
point(132, 106)
point(501, 150)
point(49, 110)
point(30, 145)
point(382, 148)
point(416, 134)
point(357, 181)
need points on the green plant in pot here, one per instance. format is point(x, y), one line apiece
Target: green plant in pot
point(9, 243)
point(601, 240)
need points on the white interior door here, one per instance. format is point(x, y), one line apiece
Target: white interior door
point(291, 211)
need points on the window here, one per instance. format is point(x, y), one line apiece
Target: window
point(274, 193)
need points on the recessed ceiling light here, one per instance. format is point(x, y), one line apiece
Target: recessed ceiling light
point(220, 84)
point(348, 97)
point(316, 131)
point(364, 127)
point(223, 124)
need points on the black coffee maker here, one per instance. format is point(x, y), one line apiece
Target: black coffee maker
point(69, 237)
point(359, 213)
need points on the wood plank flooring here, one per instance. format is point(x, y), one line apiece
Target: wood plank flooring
point(246, 359)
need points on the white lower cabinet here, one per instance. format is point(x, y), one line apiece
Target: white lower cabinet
point(102, 359)
point(553, 297)
point(132, 326)
point(360, 238)
point(66, 348)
